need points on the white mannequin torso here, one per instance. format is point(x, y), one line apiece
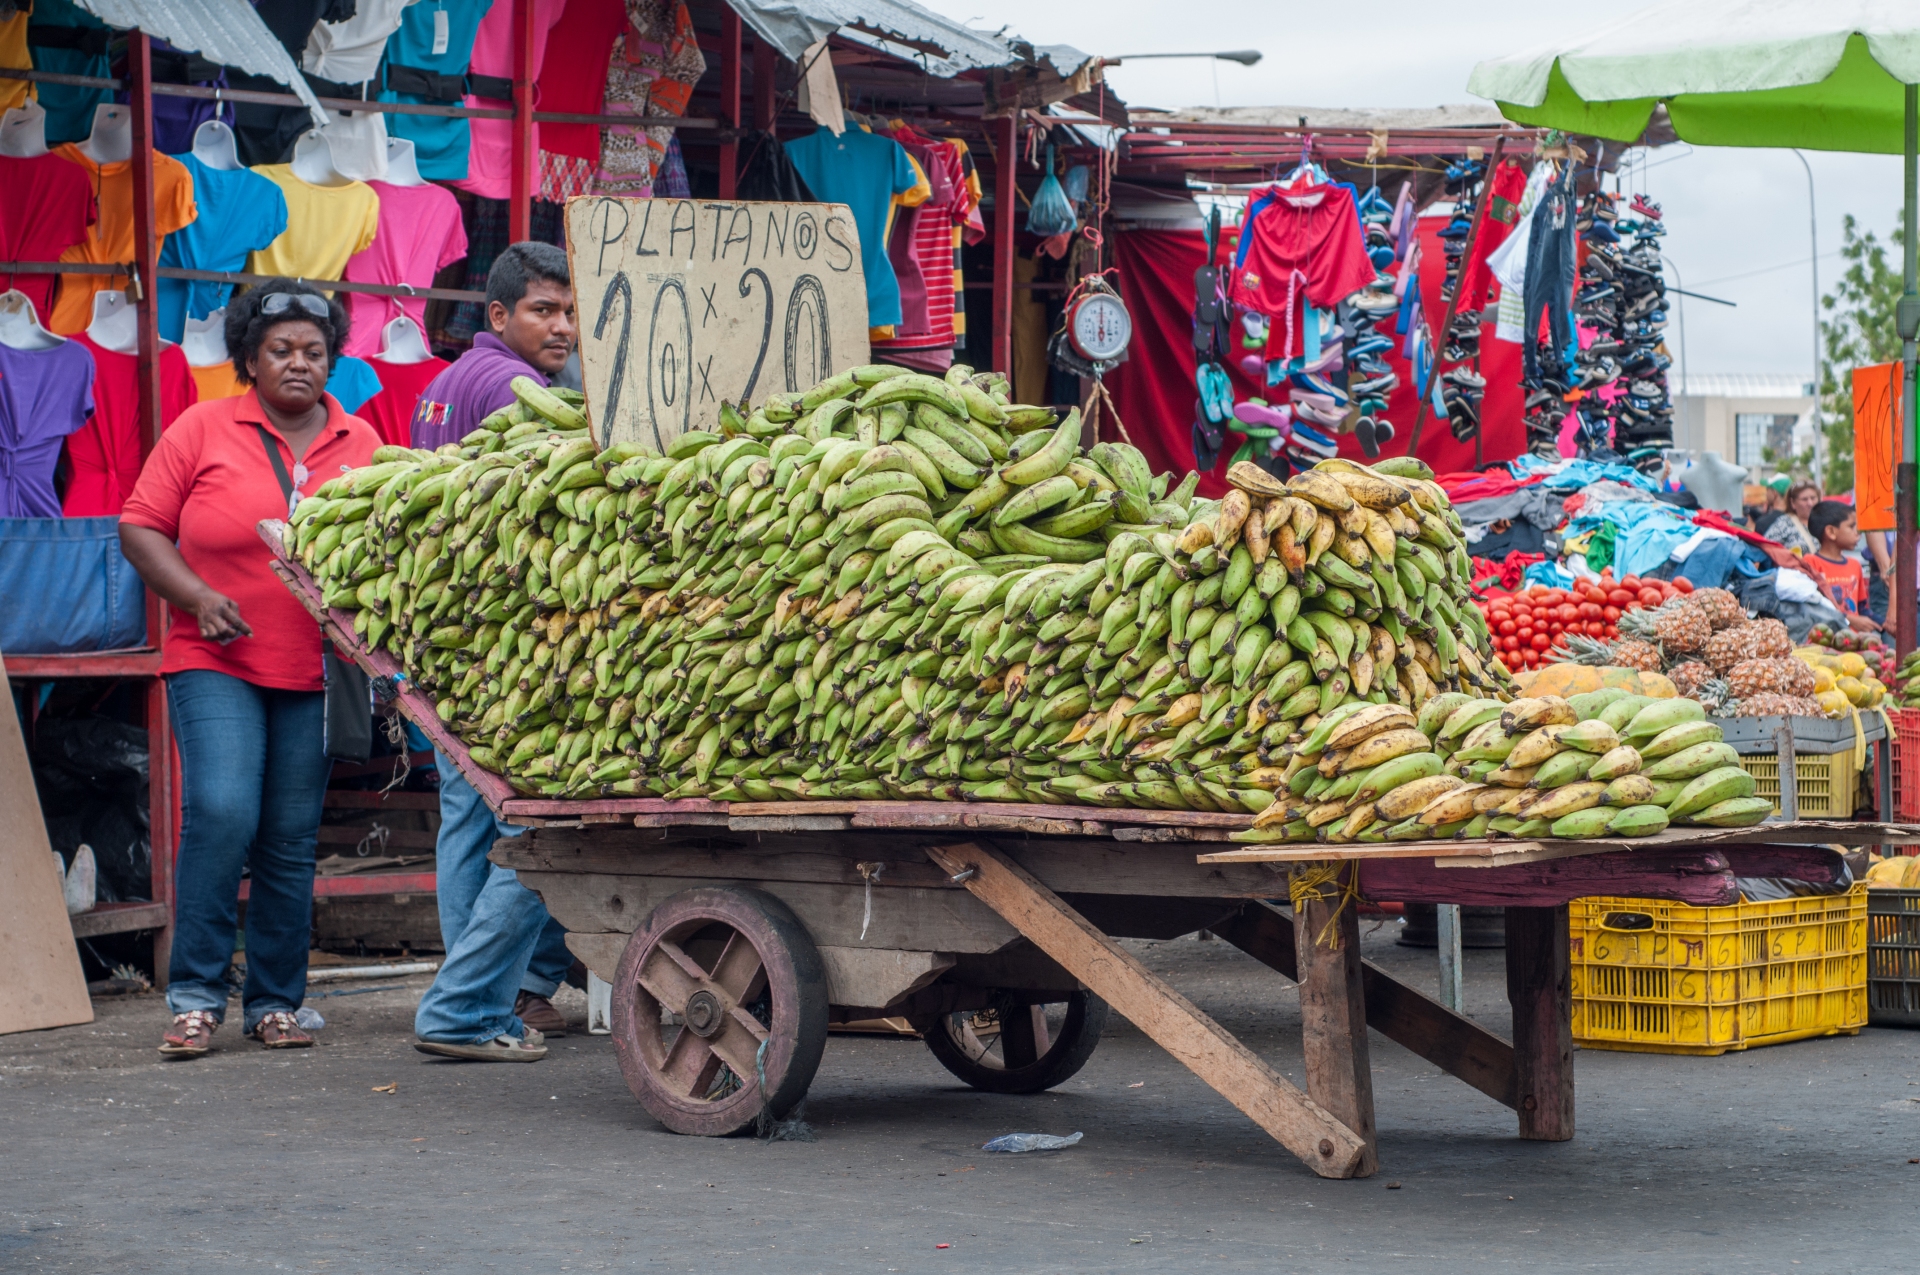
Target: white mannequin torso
point(313, 161)
point(20, 327)
point(116, 324)
point(205, 340)
point(111, 141)
point(213, 146)
point(401, 341)
point(402, 168)
point(23, 131)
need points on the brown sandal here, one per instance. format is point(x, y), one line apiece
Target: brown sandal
point(190, 1036)
point(278, 1030)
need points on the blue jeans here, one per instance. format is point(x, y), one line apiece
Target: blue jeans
point(498, 936)
point(253, 782)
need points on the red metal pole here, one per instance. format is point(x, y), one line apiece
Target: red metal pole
point(1005, 200)
point(729, 98)
point(520, 199)
point(146, 247)
point(763, 73)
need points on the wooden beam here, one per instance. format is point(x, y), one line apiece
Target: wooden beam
point(1539, 987)
point(1455, 1044)
point(764, 58)
point(1006, 199)
point(1333, 1014)
point(1302, 1125)
point(729, 98)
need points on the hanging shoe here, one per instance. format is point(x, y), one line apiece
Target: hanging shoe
point(1646, 207)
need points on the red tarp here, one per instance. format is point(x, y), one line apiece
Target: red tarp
point(1154, 388)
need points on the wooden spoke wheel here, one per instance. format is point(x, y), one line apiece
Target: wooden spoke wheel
point(1015, 1047)
point(748, 998)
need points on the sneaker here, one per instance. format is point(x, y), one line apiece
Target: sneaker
point(1646, 207)
point(1601, 232)
point(1467, 378)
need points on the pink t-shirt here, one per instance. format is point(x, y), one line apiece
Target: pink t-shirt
point(489, 155)
point(420, 234)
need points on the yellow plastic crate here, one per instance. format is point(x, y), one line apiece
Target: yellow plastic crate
point(1828, 784)
point(1650, 976)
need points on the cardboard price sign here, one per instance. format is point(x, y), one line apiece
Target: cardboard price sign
point(1876, 443)
point(684, 303)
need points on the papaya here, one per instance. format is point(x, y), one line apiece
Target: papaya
point(1568, 680)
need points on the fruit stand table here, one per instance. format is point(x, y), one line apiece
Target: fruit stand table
point(735, 933)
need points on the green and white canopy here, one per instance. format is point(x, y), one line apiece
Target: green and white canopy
point(1817, 74)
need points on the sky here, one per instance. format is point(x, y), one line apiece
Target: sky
point(1738, 220)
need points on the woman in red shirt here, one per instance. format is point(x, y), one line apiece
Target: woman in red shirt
point(242, 659)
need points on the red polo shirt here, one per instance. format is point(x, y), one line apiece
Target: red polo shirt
point(206, 486)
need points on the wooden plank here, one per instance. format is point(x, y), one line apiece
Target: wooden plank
point(342, 834)
point(1455, 1044)
point(44, 985)
point(912, 919)
point(1539, 986)
point(1333, 1014)
point(787, 823)
point(1802, 832)
point(1158, 836)
point(118, 918)
point(138, 661)
point(880, 815)
point(1302, 1125)
point(399, 799)
point(600, 953)
point(867, 978)
point(1688, 876)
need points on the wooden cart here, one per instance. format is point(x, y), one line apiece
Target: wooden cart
point(735, 934)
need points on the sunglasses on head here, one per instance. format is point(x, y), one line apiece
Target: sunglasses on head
point(281, 302)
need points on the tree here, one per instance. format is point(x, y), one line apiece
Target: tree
point(1857, 331)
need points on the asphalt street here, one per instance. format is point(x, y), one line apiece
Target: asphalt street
point(1798, 1158)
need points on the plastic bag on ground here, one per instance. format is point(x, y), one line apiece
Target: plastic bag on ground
point(1018, 1142)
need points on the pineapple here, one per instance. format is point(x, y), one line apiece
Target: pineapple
point(1636, 655)
point(1678, 628)
point(1714, 696)
point(1723, 610)
point(1788, 677)
point(1772, 704)
point(1687, 677)
point(1758, 640)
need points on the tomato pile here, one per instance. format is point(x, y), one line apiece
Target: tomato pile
point(1526, 624)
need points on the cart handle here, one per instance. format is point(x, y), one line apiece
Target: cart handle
point(1626, 922)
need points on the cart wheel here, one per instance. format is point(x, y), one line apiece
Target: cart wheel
point(1015, 1047)
point(748, 996)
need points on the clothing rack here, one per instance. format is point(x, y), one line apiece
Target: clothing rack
point(238, 277)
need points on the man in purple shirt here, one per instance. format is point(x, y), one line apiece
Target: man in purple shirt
point(530, 312)
point(505, 956)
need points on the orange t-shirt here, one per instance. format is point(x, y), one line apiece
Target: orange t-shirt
point(217, 380)
point(206, 485)
point(1843, 582)
point(109, 240)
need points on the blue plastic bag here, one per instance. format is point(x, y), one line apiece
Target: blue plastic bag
point(1051, 212)
point(65, 588)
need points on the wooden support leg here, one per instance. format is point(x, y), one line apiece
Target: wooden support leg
point(1302, 1125)
point(1333, 1013)
point(1539, 987)
point(1458, 1046)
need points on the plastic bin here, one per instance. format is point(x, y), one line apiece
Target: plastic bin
point(1906, 763)
point(1829, 783)
point(1893, 957)
point(67, 588)
point(1655, 977)
point(1828, 759)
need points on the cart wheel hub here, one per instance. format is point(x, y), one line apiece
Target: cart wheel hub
point(704, 1014)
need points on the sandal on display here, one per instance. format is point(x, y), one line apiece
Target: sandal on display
point(190, 1036)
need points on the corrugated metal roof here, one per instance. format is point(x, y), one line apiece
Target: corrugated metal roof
point(1741, 385)
point(225, 31)
point(943, 47)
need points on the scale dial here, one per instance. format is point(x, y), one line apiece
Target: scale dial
point(1100, 327)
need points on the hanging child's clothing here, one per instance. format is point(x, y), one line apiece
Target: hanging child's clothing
point(239, 212)
point(105, 454)
point(45, 395)
point(1302, 244)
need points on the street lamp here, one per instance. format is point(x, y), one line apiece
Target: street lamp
point(1813, 251)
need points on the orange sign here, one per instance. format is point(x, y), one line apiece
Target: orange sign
point(1876, 413)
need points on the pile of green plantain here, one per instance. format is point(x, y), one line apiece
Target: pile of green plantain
point(891, 586)
point(1604, 764)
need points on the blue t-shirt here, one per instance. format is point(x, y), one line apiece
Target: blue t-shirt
point(864, 171)
point(240, 212)
point(352, 381)
point(439, 142)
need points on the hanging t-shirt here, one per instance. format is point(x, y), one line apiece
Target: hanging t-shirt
point(46, 205)
point(67, 40)
point(45, 395)
point(390, 412)
point(352, 381)
point(111, 238)
point(266, 134)
point(1503, 195)
point(420, 233)
point(1302, 244)
point(489, 160)
point(105, 455)
point(569, 153)
point(864, 172)
point(217, 380)
point(651, 70)
point(426, 64)
point(349, 52)
point(326, 225)
point(13, 54)
point(240, 212)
